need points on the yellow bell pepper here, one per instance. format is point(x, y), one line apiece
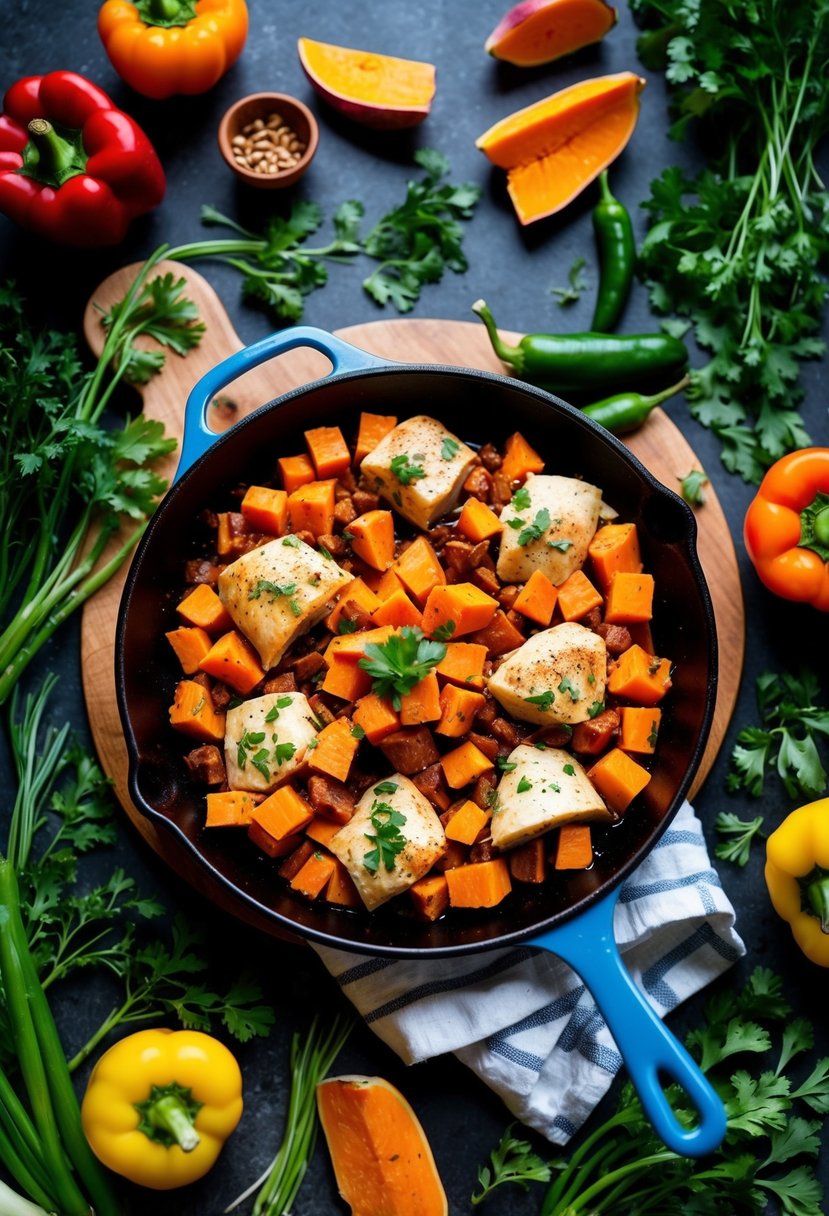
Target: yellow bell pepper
point(797, 876)
point(160, 1104)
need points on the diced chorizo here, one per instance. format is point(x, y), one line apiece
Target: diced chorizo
point(410, 750)
point(485, 744)
point(490, 457)
point(364, 500)
point(294, 862)
point(593, 736)
point(592, 619)
point(501, 490)
point(479, 554)
point(506, 732)
point(487, 714)
point(507, 596)
point(334, 545)
point(346, 483)
point(617, 638)
point(307, 666)
point(457, 555)
point(551, 736)
point(199, 570)
point(355, 612)
point(220, 694)
point(455, 854)
point(487, 580)
point(330, 798)
point(321, 709)
point(284, 682)
point(432, 784)
point(206, 765)
point(527, 863)
point(306, 537)
point(344, 512)
point(483, 850)
point(478, 484)
point(483, 791)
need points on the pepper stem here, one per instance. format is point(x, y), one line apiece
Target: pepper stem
point(817, 893)
point(166, 13)
point(650, 403)
point(814, 526)
point(52, 158)
point(168, 1117)
point(513, 355)
point(604, 188)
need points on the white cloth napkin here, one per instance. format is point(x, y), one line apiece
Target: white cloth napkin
point(522, 1019)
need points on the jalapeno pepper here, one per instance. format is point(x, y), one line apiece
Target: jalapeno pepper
point(628, 411)
point(617, 256)
point(589, 362)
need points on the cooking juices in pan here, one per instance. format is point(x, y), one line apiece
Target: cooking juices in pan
point(417, 672)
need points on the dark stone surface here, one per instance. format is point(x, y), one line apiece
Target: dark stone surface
point(514, 270)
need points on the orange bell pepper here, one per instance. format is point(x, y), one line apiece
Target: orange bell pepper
point(786, 528)
point(162, 47)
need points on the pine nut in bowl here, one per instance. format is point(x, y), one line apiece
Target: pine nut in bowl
point(268, 139)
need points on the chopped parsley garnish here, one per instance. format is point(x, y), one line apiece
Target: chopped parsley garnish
point(515, 524)
point(654, 733)
point(262, 757)
point(569, 770)
point(542, 699)
point(504, 764)
point(449, 448)
point(561, 545)
point(523, 785)
point(552, 788)
point(283, 752)
point(248, 742)
point(521, 499)
point(404, 470)
point(387, 838)
point(541, 745)
point(595, 709)
point(536, 529)
point(591, 679)
point(567, 686)
point(323, 552)
point(400, 662)
point(357, 731)
point(344, 625)
point(280, 703)
point(293, 542)
point(386, 787)
point(444, 632)
point(264, 586)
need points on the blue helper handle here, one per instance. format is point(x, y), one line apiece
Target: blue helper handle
point(198, 436)
point(649, 1049)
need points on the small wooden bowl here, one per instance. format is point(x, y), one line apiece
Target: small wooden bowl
point(293, 113)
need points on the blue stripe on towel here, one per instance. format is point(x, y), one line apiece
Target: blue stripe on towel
point(435, 987)
point(631, 892)
point(552, 1012)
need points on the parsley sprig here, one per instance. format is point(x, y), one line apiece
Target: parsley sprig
point(535, 530)
point(746, 1045)
point(792, 724)
point(736, 250)
point(415, 242)
point(401, 662)
point(512, 1160)
point(406, 469)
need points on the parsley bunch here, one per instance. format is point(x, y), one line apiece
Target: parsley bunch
point(736, 249)
point(793, 722)
point(770, 1143)
point(512, 1161)
point(68, 482)
point(402, 661)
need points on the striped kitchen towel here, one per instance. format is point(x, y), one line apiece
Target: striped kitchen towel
point(522, 1019)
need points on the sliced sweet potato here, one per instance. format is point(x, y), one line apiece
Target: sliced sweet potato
point(381, 1157)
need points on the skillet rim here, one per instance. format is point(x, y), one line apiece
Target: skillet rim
point(516, 937)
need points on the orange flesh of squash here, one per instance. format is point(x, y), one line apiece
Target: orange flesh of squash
point(380, 80)
point(552, 150)
point(381, 1157)
point(546, 31)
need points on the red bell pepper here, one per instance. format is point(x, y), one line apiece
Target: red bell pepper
point(72, 166)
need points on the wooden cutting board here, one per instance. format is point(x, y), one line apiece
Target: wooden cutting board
point(659, 445)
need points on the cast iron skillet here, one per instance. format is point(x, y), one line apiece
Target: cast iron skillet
point(573, 917)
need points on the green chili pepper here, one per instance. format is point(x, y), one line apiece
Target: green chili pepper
point(627, 411)
point(589, 363)
point(617, 257)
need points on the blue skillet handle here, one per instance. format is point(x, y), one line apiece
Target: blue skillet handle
point(198, 435)
point(649, 1049)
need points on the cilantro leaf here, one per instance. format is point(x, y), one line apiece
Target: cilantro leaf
point(576, 284)
point(387, 838)
point(691, 487)
point(793, 723)
point(535, 530)
point(542, 699)
point(403, 468)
